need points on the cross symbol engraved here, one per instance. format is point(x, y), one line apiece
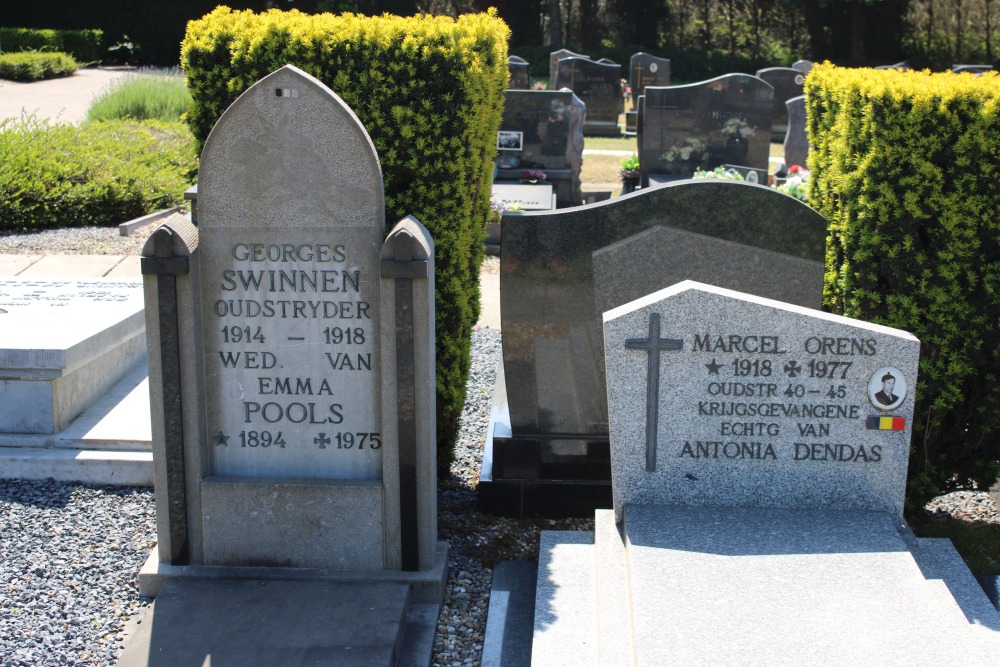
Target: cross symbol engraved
point(653, 345)
point(322, 441)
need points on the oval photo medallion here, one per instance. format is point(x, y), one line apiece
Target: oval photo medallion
point(887, 388)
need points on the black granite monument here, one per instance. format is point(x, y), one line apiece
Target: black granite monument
point(726, 120)
point(520, 79)
point(787, 83)
point(599, 85)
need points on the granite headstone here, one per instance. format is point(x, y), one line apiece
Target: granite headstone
point(520, 78)
point(292, 421)
point(647, 70)
point(796, 139)
point(726, 120)
point(720, 398)
point(787, 83)
point(804, 66)
point(559, 271)
point(554, 59)
point(599, 86)
point(550, 126)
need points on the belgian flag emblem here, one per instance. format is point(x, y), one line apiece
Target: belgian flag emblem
point(877, 423)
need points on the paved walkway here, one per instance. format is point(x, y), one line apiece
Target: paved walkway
point(66, 99)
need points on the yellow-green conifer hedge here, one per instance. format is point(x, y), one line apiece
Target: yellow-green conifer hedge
point(906, 167)
point(429, 90)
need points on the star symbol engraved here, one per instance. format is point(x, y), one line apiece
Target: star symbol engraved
point(713, 368)
point(792, 369)
point(221, 439)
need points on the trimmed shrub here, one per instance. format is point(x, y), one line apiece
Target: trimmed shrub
point(905, 167)
point(102, 174)
point(83, 45)
point(429, 90)
point(35, 66)
point(147, 94)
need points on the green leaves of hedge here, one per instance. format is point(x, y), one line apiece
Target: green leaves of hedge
point(35, 66)
point(102, 173)
point(905, 166)
point(429, 91)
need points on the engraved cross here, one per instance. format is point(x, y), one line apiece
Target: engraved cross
point(653, 345)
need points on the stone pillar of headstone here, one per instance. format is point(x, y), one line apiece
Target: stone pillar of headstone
point(170, 281)
point(408, 394)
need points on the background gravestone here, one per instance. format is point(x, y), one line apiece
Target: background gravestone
point(804, 66)
point(787, 83)
point(551, 127)
point(796, 139)
point(554, 59)
point(599, 86)
point(647, 70)
point(520, 79)
point(726, 120)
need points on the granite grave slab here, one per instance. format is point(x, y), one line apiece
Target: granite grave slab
point(554, 59)
point(520, 79)
point(63, 344)
point(645, 69)
point(726, 120)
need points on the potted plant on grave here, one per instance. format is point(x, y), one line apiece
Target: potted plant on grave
point(628, 172)
point(497, 208)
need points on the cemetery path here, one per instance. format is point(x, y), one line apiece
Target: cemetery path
point(64, 100)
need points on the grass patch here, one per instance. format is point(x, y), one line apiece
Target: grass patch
point(610, 144)
point(103, 173)
point(600, 172)
point(30, 66)
point(146, 95)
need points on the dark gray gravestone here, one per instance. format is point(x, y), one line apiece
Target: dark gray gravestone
point(804, 66)
point(796, 139)
point(599, 86)
point(787, 83)
point(554, 59)
point(519, 76)
point(550, 126)
point(973, 69)
point(726, 120)
point(560, 271)
point(647, 70)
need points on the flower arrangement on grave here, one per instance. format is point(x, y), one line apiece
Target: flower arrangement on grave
point(737, 128)
point(500, 206)
point(719, 172)
point(796, 184)
point(533, 176)
point(690, 150)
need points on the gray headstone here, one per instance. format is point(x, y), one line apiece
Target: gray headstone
point(520, 79)
point(63, 343)
point(726, 120)
point(293, 384)
point(787, 83)
point(973, 69)
point(599, 86)
point(647, 70)
point(796, 139)
point(554, 59)
point(748, 402)
point(560, 270)
point(550, 125)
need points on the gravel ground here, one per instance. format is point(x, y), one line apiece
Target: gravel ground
point(69, 553)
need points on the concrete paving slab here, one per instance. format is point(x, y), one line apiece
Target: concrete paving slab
point(64, 100)
point(117, 420)
point(248, 623)
point(71, 465)
point(95, 266)
point(129, 267)
point(11, 265)
point(565, 601)
point(489, 311)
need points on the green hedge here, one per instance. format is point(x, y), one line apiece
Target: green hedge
point(102, 174)
point(35, 66)
point(84, 45)
point(429, 90)
point(905, 166)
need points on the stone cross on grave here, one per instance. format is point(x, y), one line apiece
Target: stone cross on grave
point(653, 345)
